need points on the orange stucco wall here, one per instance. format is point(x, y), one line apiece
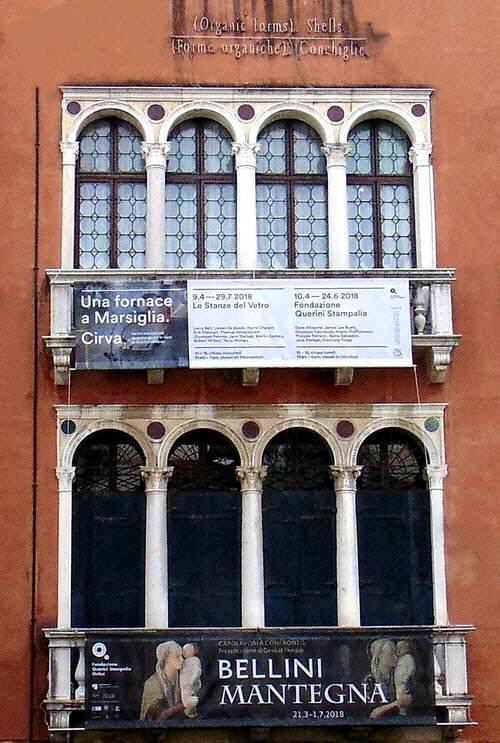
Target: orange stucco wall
point(449, 45)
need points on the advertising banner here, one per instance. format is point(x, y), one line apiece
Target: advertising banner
point(130, 325)
point(196, 678)
point(299, 323)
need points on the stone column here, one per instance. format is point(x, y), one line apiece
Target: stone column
point(246, 206)
point(423, 189)
point(155, 156)
point(347, 546)
point(435, 477)
point(338, 236)
point(252, 557)
point(156, 599)
point(69, 154)
point(65, 475)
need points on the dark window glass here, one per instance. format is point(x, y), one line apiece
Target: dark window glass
point(111, 197)
point(394, 541)
point(200, 197)
point(108, 533)
point(204, 532)
point(292, 217)
point(380, 197)
point(299, 531)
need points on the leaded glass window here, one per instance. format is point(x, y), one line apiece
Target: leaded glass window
point(108, 532)
point(380, 197)
point(204, 532)
point(111, 197)
point(394, 539)
point(200, 197)
point(298, 509)
point(291, 185)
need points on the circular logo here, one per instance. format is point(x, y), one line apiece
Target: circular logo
point(100, 650)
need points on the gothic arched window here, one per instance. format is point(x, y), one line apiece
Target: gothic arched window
point(380, 197)
point(394, 538)
point(108, 532)
point(299, 531)
point(111, 197)
point(292, 202)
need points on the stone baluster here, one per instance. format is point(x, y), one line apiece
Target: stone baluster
point(347, 545)
point(252, 559)
point(419, 308)
point(80, 675)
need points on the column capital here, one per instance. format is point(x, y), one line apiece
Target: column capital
point(70, 152)
point(336, 154)
point(435, 474)
point(245, 153)
point(345, 477)
point(420, 154)
point(251, 477)
point(155, 154)
point(156, 478)
point(65, 475)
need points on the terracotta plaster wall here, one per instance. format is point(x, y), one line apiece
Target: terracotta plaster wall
point(449, 45)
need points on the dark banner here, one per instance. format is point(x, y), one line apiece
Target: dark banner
point(130, 325)
point(206, 678)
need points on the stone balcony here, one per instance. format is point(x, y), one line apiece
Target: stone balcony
point(65, 700)
point(433, 336)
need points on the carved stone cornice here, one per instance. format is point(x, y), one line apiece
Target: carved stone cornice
point(65, 475)
point(345, 477)
point(69, 152)
point(336, 154)
point(435, 474)
point(155, 154)
point(420, 155)
point(245, 154)
point(251, 477)
point(156, 478)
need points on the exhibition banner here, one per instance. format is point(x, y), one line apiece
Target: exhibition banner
point(299, 323)
point(213, 678)
point(130, 325)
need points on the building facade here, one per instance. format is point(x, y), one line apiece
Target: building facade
point(242, 427)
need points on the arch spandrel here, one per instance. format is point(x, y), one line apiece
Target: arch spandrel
point(389, 111)
point(206, 110)
point(210, 425)
point(105, 109)
point(310, 425)
point(288, 110)
point(68, 452)
point(428, 445)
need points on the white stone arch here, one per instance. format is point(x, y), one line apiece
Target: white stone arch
point(294, 110)
point(202, 109)
point(211, 425)
point(432, 454)
point(379, 110)
point(102, 109)
point(68, 453)
point(308, 424)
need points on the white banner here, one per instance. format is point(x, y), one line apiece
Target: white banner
point(302, 322)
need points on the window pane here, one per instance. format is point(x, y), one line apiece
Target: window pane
point(311, 240)
point(180, 223)
point(131, 225)
point(360, 225)
point(307, 155)
point(396, 227)
point(359, 162)
point(130, 158)
point(271, 157)
point(94, 227)
point(182, 156)
point(393, 146)
point(272, 231)
point(220, 226)
point(217, 149)
point(95, 148)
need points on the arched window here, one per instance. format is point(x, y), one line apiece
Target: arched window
point(394, 541)
point(200, 197)
point(380, 197)
point(204, 532)
point(108, 533)
point(292, 219)
point(299, 531)
point(111, 197)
